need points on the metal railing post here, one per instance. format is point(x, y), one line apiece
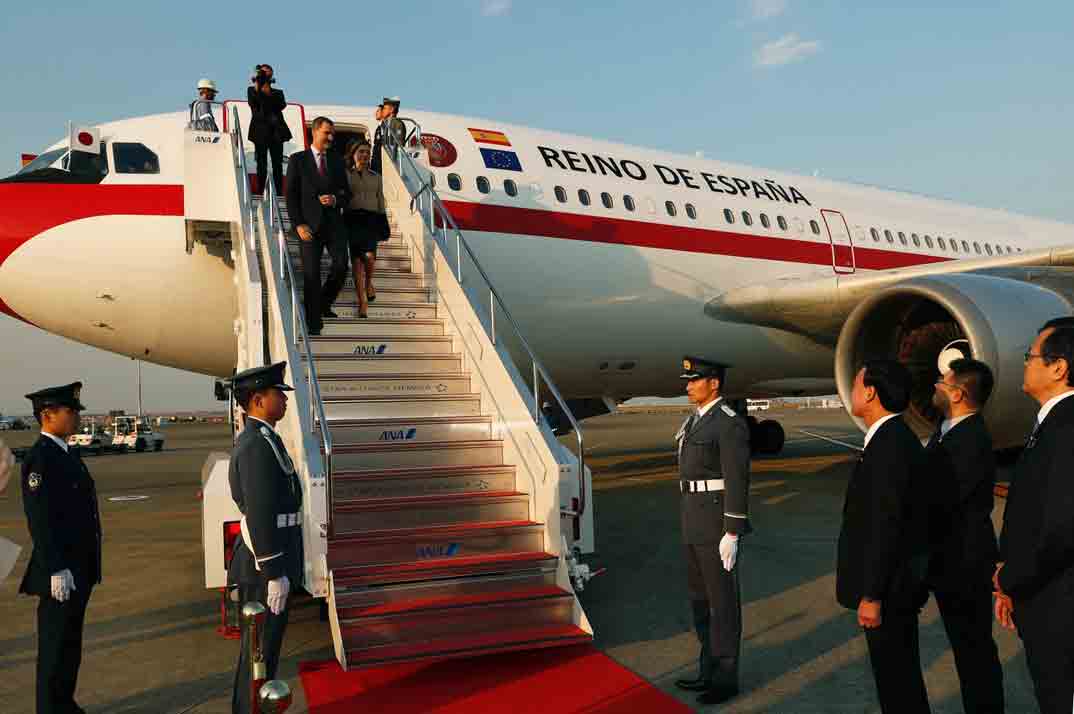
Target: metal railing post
point(253, 616)
point(492, 316)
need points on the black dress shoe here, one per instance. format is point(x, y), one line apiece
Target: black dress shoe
point(315, 332)
point(717, 695)
point(693, 685)
point(329, 313)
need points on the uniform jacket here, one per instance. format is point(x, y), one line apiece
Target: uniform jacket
point(305, 184)
point(883, 542)
point(60, 500)
point(961, 477)
point(716, 446)
point(398, 130)
point(265, 487)
point(1037, 542)
point(267, 125)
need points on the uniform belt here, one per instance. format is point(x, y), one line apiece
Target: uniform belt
point(712, 484)
point(286, 520)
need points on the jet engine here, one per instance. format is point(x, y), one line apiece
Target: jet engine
point(990, 318)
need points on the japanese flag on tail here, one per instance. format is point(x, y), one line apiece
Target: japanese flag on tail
point(86, 139)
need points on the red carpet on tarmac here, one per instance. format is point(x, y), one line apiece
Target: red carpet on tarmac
point(565, 680)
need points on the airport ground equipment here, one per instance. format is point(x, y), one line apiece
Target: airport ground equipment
point(441, 517)
point(92, 438)
point(135, 433)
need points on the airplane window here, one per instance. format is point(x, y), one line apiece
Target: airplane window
point(483, 184)
point(606, 199)
point(965, 247)
point(876, 235)
point(764, 221)
point(746, 218)
point(917, 241)
point(454, 182)
point(887, 234)
point(691, 211)
point(928, 241)
point(729, 215)
point(510, 188)
point(561, 194)
point(1009, 250)
point(583, 196)
point(942, 242)
point(670, 207)
point(902, 239)
point(988, 249)
point(782, 222)
point(813, 226)
point(976, 247)
point(628, 203)
point(132, 158)
point(954, 245)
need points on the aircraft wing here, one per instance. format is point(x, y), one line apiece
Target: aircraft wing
point(817, 307)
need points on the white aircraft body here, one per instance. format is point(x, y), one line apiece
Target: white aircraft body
point(616, 261)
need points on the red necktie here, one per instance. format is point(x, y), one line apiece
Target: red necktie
point(320, 164)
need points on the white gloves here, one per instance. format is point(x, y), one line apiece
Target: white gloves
point(7, 462)
point(62, 585)
point(277, 594)
point(729, 551)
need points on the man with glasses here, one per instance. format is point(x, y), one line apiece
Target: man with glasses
point(1034, 580)
point(962, 476)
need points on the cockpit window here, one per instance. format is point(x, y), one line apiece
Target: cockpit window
point(131, 158)
point(43, 161)
point(63, 166)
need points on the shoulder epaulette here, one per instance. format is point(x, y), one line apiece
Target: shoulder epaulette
point(728, 410)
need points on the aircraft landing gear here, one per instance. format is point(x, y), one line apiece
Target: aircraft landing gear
point(766, 436)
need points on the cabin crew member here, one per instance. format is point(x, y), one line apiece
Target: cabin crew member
point(268, 559)
point(268, 129)
point(60, 500)
point(1035, 577)
point(962, 475)
point(387, 115)
point(317, 190)
point(883, 542)
point(714, 473)
point(201, 109)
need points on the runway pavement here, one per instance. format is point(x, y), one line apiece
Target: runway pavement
point(151, 644)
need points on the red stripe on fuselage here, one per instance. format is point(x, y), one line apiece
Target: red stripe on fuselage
point(605, 229)
point(28, 209)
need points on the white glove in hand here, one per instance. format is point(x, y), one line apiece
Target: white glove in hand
point(7, 462)
point(62, 584)
point(277, 594)
point(729, 551)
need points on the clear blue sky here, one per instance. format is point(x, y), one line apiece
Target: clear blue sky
point(963, 101)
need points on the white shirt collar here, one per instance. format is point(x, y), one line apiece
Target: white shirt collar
point(948, 424)
point(62, 444)
point(876, 427)
point(262, 421)
point(1050, 404)
point(316, 155)
point(703, 410)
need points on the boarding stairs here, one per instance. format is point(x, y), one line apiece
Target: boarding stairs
point(435, 491)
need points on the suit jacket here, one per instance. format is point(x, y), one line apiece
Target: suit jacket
point(883, 542)
point(265, 487)
point(267, 125)
point(305, 184)
point(1037, 541)
point(716, 446)
point(60, 500)
point(962, 476)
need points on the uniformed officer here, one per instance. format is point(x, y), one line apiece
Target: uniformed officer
point(714, 473)
point(60, 501)
point(268, 559)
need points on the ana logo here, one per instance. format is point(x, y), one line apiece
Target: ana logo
point(370, 350)
point(438, 550)
point(399, 434)
point(206, 139)
point(441, 151)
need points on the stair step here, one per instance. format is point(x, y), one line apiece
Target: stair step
point(392, 385)
point(411, 293)
point(507, 640)
point(401, 482)
point(360, 328)
point(433, 405)
point(380, 345)
point(418, 430)
point(378, 578)
point(384, 310)
point(401, 454)
point(408, 554)
point(382, 514)
point(388, 249)
point(383, 278)
point(428, 364)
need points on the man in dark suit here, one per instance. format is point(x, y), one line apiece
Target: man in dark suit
point(714, 473)
point(1035, 578)
point(60, 500)
point(268, 559)
point(962, 475)
point(268, 129)
point(317, 190)
point(883, 542)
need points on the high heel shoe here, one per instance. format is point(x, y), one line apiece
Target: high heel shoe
point(371, 296)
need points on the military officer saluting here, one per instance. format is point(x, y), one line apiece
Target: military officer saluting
point(60, 500)
point(714, 473)
point(268, 559)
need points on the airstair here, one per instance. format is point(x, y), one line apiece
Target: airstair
point(441, 513)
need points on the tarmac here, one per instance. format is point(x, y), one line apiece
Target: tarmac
point(151, 643)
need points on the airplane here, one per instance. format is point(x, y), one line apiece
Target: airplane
point(616, 260)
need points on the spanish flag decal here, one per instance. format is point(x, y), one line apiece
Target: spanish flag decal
point(485, 136)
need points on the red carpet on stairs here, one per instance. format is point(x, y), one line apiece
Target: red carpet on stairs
point(564, 680)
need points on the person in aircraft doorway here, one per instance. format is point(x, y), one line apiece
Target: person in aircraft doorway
point(389, 121)
point(201, 109)
point(268, 129)
point(366, 221)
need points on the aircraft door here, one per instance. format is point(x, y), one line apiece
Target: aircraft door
point(842, 243)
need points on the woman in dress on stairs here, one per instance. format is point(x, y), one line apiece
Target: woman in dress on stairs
point(365, 219)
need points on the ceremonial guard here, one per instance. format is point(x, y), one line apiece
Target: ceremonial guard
point(268, 558)
point(60, 501)
point(714, 473)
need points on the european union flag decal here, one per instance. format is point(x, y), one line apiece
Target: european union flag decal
point(500, 159)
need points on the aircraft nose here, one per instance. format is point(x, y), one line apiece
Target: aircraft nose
point(17, 226)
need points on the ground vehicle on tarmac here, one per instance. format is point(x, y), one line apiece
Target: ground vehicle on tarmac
point(131, 432)
point(92, 439)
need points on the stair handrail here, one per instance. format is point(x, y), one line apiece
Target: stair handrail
point(300, 338)
point(245, 194)
point(398, 154)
